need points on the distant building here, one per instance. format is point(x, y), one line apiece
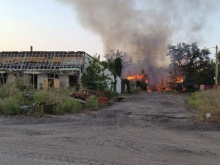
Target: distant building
point(58, 69)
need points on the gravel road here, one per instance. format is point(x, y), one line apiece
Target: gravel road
point(145, 129)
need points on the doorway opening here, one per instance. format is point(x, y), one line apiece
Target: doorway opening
point(33, 80)
point(73, 80)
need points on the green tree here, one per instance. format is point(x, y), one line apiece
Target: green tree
point(207, 73)
point(115, 66)
point(94, 78)
point(118, 66)
point(190, 62)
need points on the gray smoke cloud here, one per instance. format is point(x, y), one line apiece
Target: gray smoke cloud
point(143, 27)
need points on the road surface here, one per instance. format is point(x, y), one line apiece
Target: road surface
point(146, 129)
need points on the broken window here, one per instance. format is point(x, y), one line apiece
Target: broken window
point(52, 76)
point(3, 78)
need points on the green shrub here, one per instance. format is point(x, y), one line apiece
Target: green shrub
point(37, 110)
point(23, 99)
point(71, 106)
point(8, 90)
point(55, 109)
point(9, 106)
point(92, 103)
point(77, 88)
point(3, 92)
point(40, 96)
point(111, 94)
point(23, 84)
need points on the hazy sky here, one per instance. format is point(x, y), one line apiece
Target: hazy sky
point(48, 25)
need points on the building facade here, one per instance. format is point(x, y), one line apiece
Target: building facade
point(44, 69)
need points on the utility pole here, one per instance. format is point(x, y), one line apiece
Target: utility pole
point(216, 66)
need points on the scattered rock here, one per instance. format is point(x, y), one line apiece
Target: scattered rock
point(208, 115)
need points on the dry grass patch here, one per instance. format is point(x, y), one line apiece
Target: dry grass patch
point(205, 102)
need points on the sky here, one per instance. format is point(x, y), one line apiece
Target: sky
point(44, 24)
point(49, 25)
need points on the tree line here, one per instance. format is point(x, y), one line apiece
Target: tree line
point(191, 63)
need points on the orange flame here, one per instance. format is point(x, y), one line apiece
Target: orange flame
point(136, 77)
point(131, 77)
point(179, 79)
point(139, 77)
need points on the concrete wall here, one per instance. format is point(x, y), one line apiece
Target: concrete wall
point(118, 85)
point(112, 80)
point(64, 81)
point(11, 77)
point(86, 60)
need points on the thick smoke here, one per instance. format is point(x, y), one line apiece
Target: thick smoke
point(143, 28)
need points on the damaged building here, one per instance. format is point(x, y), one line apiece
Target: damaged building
point(44, 69)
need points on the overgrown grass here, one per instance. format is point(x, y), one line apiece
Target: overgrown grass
point(135, 90)
point(111, 94)
point(8, 90)
point(205, 102)
point(71, 106)
point(9, 106)
point(92, 103)
point(20, 98)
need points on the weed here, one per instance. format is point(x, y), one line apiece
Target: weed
point(8, 90)
point(205, 102)
point(9, 106)
point(111, 94)
point(37, 110)
point(40, 96)
point(92, 103)
point(135, 90)
point(23, 84)
point(71, 106)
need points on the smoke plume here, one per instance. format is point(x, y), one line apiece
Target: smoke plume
point(143, 28)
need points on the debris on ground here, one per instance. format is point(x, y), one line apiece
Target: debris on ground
point(119, 99)
point(208, 115)
point(87, 93)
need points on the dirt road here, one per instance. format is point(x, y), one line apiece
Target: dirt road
point(146, 129)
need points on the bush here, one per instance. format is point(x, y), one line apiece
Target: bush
point(77, 88)
point(22, 99)
point(71, 106)
point(3, 92)
point(111, 94)
point(8, 90)
point(40, 96)
point(9, 106)
point(37, 110)
point(92, 103)
point(23, 84)
point(52, 101)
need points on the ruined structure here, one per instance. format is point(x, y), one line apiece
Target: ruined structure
point(44, 69)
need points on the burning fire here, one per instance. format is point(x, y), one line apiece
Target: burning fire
point(136, 77)
point(152, 87)
point(179, 79)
